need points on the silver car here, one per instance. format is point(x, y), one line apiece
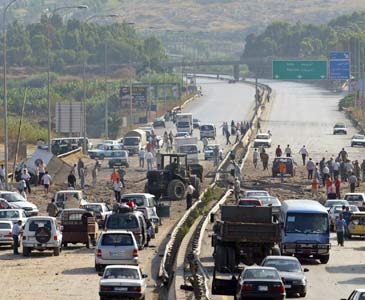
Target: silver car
point(6, 237)
point(115, 248)
point(15, 200)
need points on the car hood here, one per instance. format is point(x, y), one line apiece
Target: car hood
point(262, 141)
point(291, 275)
point(22, 205)
point(358, 140)
point(121, 282)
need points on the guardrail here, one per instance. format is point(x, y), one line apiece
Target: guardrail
point(171, 250)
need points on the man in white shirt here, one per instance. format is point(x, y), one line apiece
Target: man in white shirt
point(26, 177)
point(304, 153)
point(336, 168)
point(47, 180)
point(149, 158)
point(16, 232)
point(288, 151)
point(117, 186)
point(141, 156)
point(310, 167)
point(189, 196)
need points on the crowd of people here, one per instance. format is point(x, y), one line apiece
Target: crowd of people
point(235, 129)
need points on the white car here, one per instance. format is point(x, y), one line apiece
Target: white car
point(14, 215)
point(358, 140)
point(122, 282)
point(69, 199)
point(101, 211)
point(207, 130)
point(41, 233)
point(358, 294)
point(339, 128)
point(6, 237)
point(15, 200)
point(357, 199)
point(262, 140)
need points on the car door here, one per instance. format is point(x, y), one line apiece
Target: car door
point(117, 246)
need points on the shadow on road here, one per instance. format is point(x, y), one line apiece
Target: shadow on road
point(355, 281)
point(80, 271)
point(347, 269)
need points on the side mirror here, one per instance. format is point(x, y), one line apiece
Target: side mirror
point(144, 275)
point(306, 270)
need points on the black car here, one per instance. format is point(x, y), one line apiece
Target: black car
point(261, 283)
point(291, 273)
point(289, 163)
point(159, 122)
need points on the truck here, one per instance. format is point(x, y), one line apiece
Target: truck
point(243, 234)
point(189, 146)
point(305, 229)
point(134, 140)
point(184, 122)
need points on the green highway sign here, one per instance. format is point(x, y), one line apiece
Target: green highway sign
point(299, 69)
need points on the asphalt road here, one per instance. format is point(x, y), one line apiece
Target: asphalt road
point(304, 115)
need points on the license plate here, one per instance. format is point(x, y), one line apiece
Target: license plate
point(121, 289)
point(287, 286)
point(263, 288)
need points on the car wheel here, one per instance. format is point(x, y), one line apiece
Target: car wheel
point(98, 268)
point(324, 259)
point(26, 251)
point(352, 145)
point(303, 294)
point(350, 236)
point(56, 251)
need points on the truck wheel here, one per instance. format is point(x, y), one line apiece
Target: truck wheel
point(231, 258)
point(324, 259)
point(302, 295)
point(220, 258)
point(56, 251)
point(195, 181)
point(275, 251)
point(176, 190)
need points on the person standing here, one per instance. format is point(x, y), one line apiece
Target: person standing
point(114, 176)
point(278, 151)
point(310, 168)
point(357, 171)
point(237, 188)
point(71, 180)
point(315, 186)
point(265, 159)
point(47, 181)
point(122, 172)
point(205, 142)
point(340, 229)
point(282, 170)
point(16, 232)
point(52, 208)
point(343, 154)
point(80, 165)
point(228, 142)
point(2, 173)
point(42, 171)
point(149, 158)
point(82, 178)
point(142, 153)
point(304, 153)
point(73, 169)
point(256, 156)
point(216, 156)
point(336, 168)
point(288, 151)
point(363, 170)
point(352, 182)
point(117, 187)
point(325, 173)
point(94, 174)
point(26, 177)
point(189, 196)
point(338, 187)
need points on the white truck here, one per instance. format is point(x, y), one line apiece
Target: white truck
point(189, 146)
point(184, 122)
point(134, 140)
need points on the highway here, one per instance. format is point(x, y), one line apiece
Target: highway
point(302, 114)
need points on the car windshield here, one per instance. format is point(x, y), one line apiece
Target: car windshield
point(249, 203)
point(5, 226)
point(100, 146)
point(307, 223)
point(138, 200)
point(118, 154)
point(358, 137)
point(262, 137)
point(188, 149)
point(121, 221)
point(338, 209)
point(273, 201)
point(93, 207)
point(353, 197)
point(9, 214)
point(257, 194)
point(210, 148)
point(261, 274)
point(283, 265)
point(206, 127)
point(340, 126)
point(121, 273)
point(333, 203)
point(13, 197)
point(117, 239)
point(131, 141)
point(183, 124)
point(35, 224)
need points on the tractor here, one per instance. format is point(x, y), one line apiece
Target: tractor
point(172, 177)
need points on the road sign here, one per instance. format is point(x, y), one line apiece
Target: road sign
point(69, 117)
point(299, 69)
point(339, 55)
point(339, 69)
point(139, 97)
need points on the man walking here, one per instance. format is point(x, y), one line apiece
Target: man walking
point(288, 151)
point(94, 173)
point(71, 180)
point(114, 176)
point(282, 170)
point(310, 168)
point(80, 165)
point(278, 151)
point(304, 153)
point(149, 158)
point(338, 187)
point(26, 177)
point(52, 208)
point(47, 180)
point(16, 232)
point(142, 154)
point(340, 229)
point(82, 178)
point(237, 188)
point(2, 173)
point(363, 170)
point(122, 172)
point(117, 187)
point(352, 182)
point(256, 155)
point(189, 196)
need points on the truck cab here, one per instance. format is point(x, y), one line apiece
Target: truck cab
point(184, 122)
point(305, 230)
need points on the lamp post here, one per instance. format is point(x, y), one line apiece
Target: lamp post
point(6, 142)
point(49, 68)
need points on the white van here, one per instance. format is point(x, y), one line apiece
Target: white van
point(207, 130)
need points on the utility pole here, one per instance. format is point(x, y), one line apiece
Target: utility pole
point(106, 91)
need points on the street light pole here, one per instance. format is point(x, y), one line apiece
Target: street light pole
point(49, 69)
point(6, 142)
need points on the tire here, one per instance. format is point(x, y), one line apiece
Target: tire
point(64, 245)
point(42, 235)
point(350, 236)
point(176, 190)
point(87, 244)
point(195, 182)
point(324, 259)
point(98, 268)
point(231, 258)
point(56, 251)
point(220, 258)
point(352, 145)
point(26, 251)
point(275, 251)
point(302, 295)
